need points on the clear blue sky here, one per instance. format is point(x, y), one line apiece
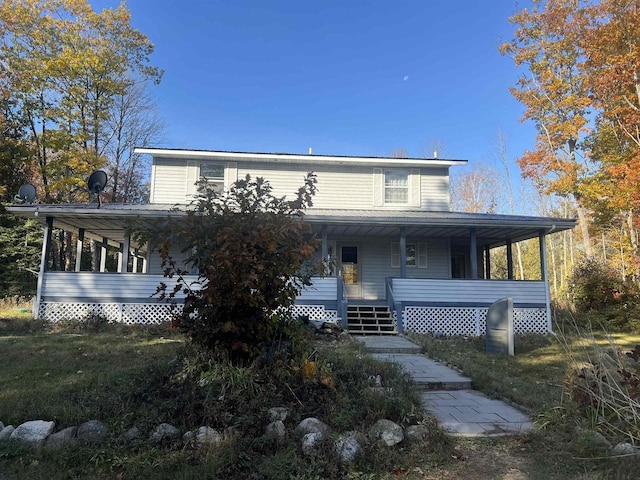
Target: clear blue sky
point(342, 76)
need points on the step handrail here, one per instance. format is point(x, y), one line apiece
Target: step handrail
point(394, 306)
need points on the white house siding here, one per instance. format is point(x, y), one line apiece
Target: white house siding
point(170, 181)
point(376, 263)
point(434, 189)
point(339, 186)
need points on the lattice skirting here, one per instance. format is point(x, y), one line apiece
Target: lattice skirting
point(314, 312)
point(468, 320)
point(129, 313)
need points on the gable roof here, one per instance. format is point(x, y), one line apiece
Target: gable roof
point(298, 158)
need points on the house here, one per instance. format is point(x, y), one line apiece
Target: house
point(405, 261)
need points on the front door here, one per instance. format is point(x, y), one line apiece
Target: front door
point(351, 268)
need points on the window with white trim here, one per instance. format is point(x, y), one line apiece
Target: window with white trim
point(396, 187)
point(213, 174)
point(416, 255)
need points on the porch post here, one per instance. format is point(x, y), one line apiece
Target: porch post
point(79, 248)
point(103, 254)
point(44, 265)
point(120, 259)
point(124, 260)
point(487, 256)
point(135, 262)
point(403, 253)
point(545, 276)
point(474, 253)
point(509, 260)
point(325, 245)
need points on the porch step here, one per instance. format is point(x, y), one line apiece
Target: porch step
point(370, 320)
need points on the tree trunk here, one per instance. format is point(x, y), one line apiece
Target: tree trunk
point(584, 230)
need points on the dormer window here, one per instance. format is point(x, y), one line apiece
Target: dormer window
point(396, 187)
point(213, 174)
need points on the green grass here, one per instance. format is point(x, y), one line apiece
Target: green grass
point(124, 376)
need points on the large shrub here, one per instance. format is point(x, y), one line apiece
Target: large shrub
point(595, 285)
point(251, 251)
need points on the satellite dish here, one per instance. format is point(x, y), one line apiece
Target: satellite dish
point(26, 193)
point(96, 183)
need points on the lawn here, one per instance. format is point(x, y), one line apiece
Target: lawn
point(129, 376)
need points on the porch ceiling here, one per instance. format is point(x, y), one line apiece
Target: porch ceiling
point(112, 220)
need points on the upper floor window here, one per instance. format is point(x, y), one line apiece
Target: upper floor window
point(213, 174)
point(396, 186)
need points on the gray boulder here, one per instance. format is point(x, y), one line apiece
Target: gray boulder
point(207, 436)
point(278, 413)
point(93, 431)
point(132, 434)
point(310, 442)
point(6, 432)
point(348, 446)
point(188, 437)
point(624, 448)
point(64, 437)
point(313, 425)
point(164, 432)
point(416, 433)
point(34, 432)
point(387, 432)
point(276, 430)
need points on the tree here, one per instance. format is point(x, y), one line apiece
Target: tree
point(65, 64)
point(475, 191)
point(251, 251)
point(555, 93)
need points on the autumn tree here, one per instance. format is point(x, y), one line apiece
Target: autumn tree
point(554, 91)
point(250, 250)
point(476, 190)
point(65, 64)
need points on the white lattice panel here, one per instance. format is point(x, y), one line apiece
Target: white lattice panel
point(314, 312)
point(132, 313)
point(469, 320)
point(530, 320)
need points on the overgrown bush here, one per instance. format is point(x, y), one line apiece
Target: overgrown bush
point(252, 253)
point(599, 293)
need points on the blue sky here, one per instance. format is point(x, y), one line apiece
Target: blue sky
point(344, 77)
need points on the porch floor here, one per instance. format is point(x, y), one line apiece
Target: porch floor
point(447, 395)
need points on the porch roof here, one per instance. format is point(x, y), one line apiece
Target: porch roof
point(111, 220)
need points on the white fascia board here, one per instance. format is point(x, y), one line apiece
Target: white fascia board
point(292, 158)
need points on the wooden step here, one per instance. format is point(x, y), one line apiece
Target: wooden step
point(370, 320)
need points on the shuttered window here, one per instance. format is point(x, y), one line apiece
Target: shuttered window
point(416, 255)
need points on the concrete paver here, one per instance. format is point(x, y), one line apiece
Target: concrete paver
point(448, 395)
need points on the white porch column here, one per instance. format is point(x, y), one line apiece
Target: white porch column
point(403, 253)
point(124, 259)
point(487, 256)
point(44, 265)
point(474, 253)
point(135, 263)
point(509, 260)
point(79, 245)
point(325, 244)
point(545, 276)
point(103, 254)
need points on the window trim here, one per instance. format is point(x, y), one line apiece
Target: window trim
point(421, 255)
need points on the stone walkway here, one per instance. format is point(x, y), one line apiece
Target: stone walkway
point(447, 395)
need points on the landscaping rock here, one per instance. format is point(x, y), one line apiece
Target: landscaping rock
point(310, 442)
point(230, 433)
point(188, 437)
point(276, 430)
point(6, 432)
point(387, 432)
point(93, 431)
point(313, 425)
point(132, 434)
point(35, 431)
point(416, 433)
point(589, 443)
point(348, 446)
point(163, 433)
point(278, 413)
point(624, 448)
point(64, 437)
point(207, 436)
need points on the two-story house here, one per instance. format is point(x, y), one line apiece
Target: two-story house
point(403, 260)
